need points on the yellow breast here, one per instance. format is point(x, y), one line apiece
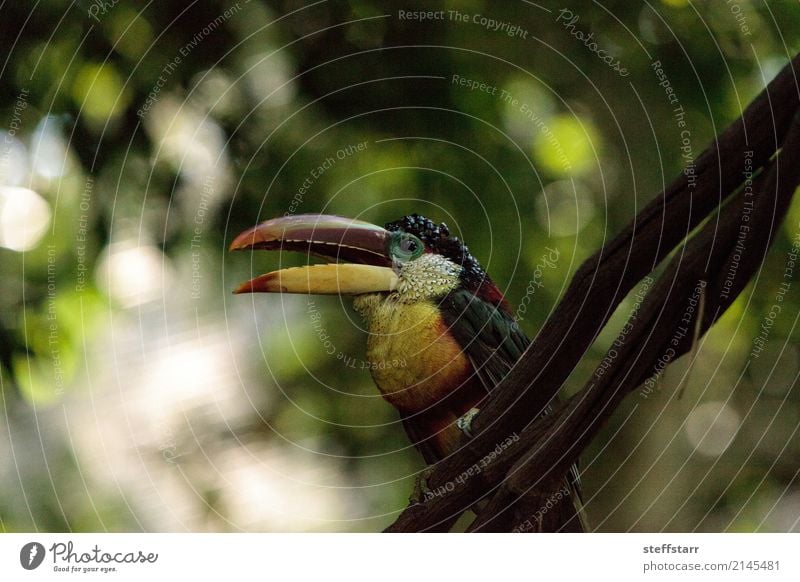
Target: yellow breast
point(413, 359)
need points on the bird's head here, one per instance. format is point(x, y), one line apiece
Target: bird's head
point(411, 259)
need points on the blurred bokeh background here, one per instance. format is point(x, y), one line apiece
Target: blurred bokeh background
point(137, 140)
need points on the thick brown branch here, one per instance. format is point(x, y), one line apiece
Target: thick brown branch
point(715, 267)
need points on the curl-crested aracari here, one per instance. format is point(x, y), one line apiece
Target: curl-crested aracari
point(426, 301)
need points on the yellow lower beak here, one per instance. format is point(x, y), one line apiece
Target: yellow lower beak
point(331, 279)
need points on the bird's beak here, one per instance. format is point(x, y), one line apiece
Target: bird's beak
point(363, 248)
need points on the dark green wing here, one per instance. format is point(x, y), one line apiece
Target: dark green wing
point(490, 337)
point(493, 342)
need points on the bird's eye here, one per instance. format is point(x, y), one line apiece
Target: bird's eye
point(405, 247)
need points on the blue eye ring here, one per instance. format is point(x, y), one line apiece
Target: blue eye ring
point(404, 247)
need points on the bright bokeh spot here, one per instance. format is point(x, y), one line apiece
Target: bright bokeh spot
point(13, 160)
point(183, 375)
point(711, 428)
point(98, 90)
point(567, 145)
point(133, 274)
point(278, 491)
point(268, 76)
point(215, 91)
point(190, 141)
point(130, 32)
point(534, 106)
point(194, 145)
point(565, 208)
point(48, 149)
point(24, 218)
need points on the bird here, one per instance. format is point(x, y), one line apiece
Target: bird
point(441, 334)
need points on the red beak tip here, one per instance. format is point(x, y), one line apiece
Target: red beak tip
point(243, 288)
point(261, 284)
point(248, 239)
